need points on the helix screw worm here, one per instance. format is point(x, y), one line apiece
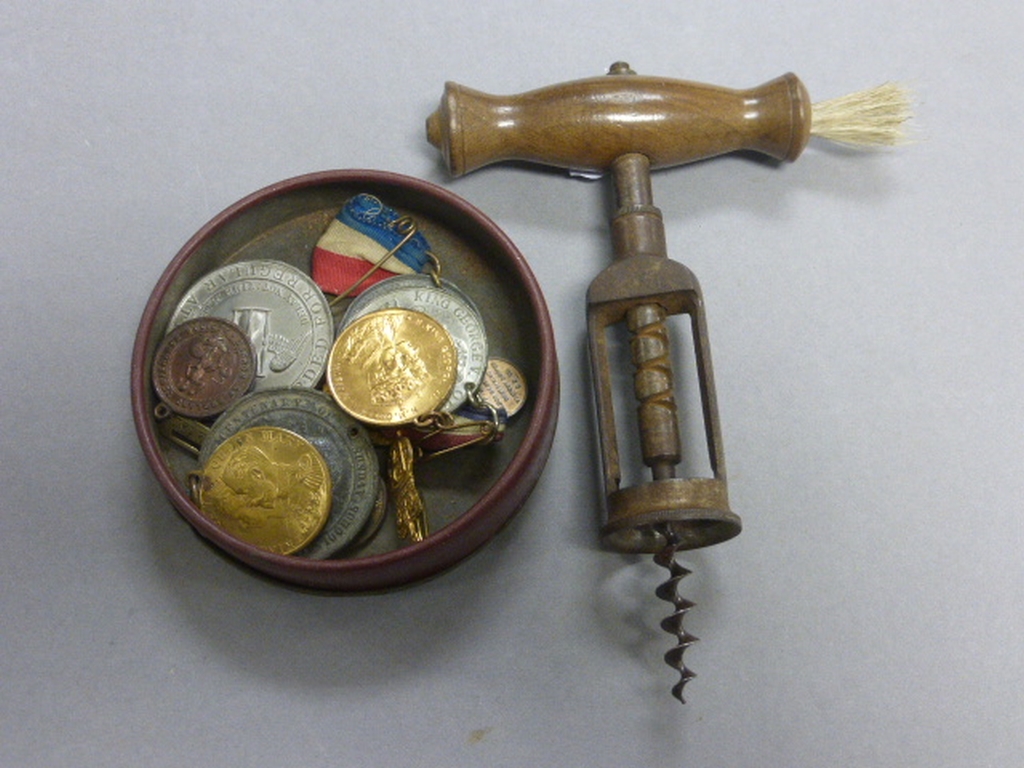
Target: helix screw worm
point(673, 623)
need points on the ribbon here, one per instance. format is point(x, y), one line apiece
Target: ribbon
point(362, 233)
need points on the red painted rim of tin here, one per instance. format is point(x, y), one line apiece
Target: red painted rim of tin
point(449, 545)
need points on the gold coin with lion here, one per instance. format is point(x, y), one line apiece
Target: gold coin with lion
point(391, 366)
point(268, 487)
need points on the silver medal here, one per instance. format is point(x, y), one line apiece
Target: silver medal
point(446, 304)
point(341, 440)
point(282, 311)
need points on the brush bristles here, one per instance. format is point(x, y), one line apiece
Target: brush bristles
point(869, 118)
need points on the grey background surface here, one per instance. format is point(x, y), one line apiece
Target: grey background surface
point(865, 318)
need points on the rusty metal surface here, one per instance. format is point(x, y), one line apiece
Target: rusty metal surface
point(641, 289)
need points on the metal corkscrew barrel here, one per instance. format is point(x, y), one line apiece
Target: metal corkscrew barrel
point(667, 513)
point(642, 289)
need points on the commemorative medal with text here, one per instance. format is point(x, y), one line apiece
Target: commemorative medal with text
point(503, 386)
point(340, 439)
point(452, 308)
point(266, 486)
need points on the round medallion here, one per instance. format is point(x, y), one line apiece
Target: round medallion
point(340, 439)
point(392, 366)
point(266, 486)
point(449, 306)
point(503, 386)
point(282, 311)
point(202, 366)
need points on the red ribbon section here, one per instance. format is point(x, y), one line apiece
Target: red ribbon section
point(336, 273)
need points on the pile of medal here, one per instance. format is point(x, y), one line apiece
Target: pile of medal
point(287, 409)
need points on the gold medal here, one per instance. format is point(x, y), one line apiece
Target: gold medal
point(268, 487)
point(392, 366)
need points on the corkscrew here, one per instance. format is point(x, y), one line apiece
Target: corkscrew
point(627, 125)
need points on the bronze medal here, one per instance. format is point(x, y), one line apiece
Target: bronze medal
point(202, 366)
point(503, 386)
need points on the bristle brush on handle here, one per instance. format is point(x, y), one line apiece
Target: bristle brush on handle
point(874, 117)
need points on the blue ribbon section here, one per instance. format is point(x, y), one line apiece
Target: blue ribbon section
point(368, 215)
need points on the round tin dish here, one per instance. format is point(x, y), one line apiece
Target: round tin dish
point(472, 496)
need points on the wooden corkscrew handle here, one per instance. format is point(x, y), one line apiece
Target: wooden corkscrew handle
point(586, 124)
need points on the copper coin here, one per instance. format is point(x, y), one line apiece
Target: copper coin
point(202, 366)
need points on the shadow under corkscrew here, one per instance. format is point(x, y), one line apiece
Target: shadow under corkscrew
point(673, 624)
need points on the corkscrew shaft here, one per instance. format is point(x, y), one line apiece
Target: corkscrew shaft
point(638, 229)
point(642, 289)
point(653, 385)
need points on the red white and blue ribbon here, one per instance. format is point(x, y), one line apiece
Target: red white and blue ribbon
point(362, 234)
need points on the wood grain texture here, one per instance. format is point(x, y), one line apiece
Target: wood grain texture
point(586, 124)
